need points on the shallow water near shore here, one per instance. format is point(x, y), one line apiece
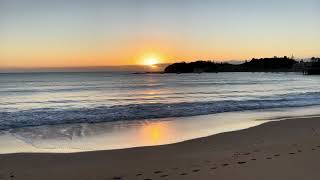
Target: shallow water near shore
point(118, 135)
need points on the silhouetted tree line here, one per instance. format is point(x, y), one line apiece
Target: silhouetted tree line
point(270, 63)
point(315, 61)
point(312, 67)
point(263, 64)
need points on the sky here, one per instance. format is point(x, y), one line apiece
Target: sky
point(80, 33)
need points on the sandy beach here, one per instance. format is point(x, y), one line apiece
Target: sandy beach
point(288, 149)
point(159, 90)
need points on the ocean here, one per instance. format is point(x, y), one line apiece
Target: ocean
point(42, 100)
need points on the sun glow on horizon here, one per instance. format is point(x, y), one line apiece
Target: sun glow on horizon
point(150, 60)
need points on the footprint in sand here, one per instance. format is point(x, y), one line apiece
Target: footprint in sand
point(242, 162)
point(116, 178)
point(196, 170)
point(165, 175)
point(11, 175)
point(226, 164)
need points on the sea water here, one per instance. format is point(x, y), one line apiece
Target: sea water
point(67, 112)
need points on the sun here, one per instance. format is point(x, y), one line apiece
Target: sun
point(150, 61)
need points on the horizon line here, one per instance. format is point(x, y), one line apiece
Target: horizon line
point(130, 65)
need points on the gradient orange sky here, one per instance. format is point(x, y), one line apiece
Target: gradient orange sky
point(107, 33)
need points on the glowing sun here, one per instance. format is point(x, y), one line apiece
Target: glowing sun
point(150, 61)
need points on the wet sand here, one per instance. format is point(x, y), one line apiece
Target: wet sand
point(288, 149)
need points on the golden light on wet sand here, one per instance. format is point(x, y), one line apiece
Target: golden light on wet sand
point(154, 133)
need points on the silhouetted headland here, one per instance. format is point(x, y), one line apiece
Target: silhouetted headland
point(313, 67)
point(275, 64)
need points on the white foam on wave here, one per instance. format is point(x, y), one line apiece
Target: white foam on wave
point(56, 116)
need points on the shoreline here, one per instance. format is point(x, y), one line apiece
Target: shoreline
point(245, 154)
point(117, 135)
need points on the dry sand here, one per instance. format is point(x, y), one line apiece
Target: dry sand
point(287, 149)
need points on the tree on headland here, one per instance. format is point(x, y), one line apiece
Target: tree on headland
point(314, 59)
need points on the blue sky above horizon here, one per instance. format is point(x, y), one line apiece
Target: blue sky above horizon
point(57, 33)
